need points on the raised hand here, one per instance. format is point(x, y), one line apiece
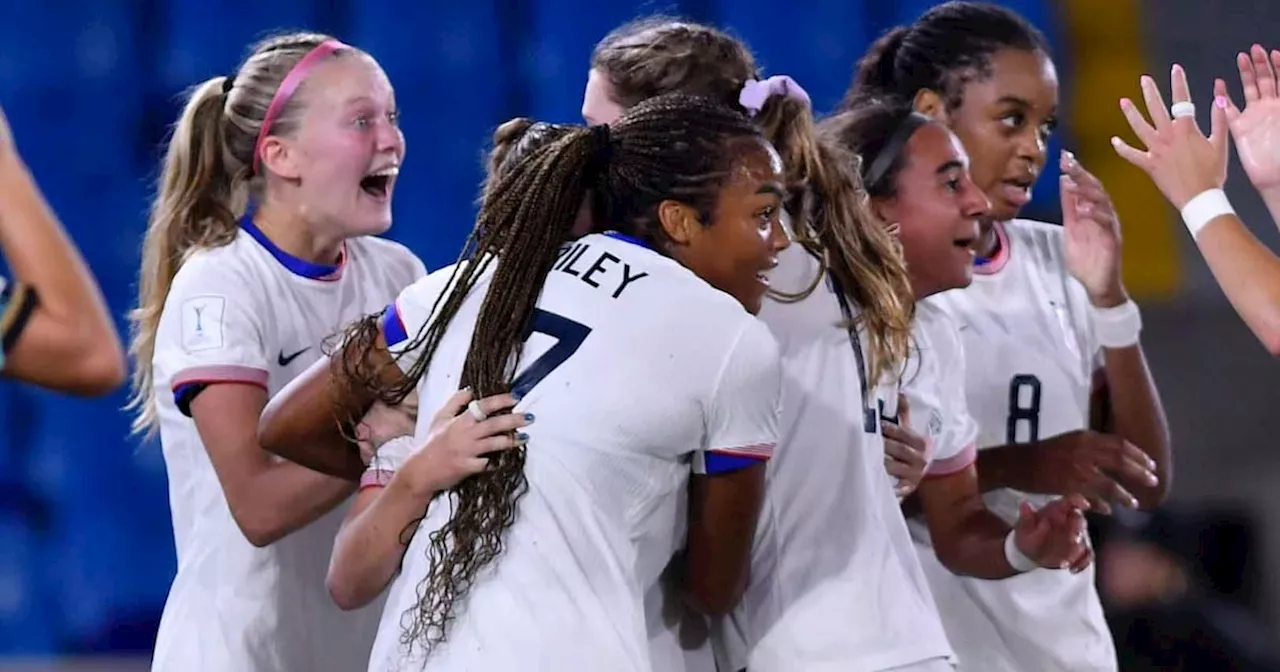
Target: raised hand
point(1091, 234)
point(1054, 536)
point(906, 454)
point(1179, 158)
point(1256, 130)
point(458, 442)
point(1097, 466)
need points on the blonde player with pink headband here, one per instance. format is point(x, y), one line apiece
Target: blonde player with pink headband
point(259, 247)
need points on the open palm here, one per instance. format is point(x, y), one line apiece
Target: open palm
point(1091, 232)
point(1256, 129)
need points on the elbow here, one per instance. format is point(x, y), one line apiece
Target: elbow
point(345, 592)
point(1271, 341)
point(99, 370)
point(260, 531)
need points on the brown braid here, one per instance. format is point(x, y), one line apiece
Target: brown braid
point(675, 147)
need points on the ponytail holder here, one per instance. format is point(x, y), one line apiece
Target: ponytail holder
point(291, 82)
point(601, 147)
point(755, 92)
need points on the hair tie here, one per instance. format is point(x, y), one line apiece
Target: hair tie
point(756, 92)
point(880, 164)
point(601, 147)
point(228, 83)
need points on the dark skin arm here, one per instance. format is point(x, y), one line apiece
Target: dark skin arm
point(301, 424)
point(723, 509)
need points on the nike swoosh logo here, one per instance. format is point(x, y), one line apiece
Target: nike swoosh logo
point(282, 360)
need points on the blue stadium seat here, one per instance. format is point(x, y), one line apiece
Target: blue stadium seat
point(556, 52)
point(26, 617)
point(444, 61)
point(208, 39)
point(817, 44)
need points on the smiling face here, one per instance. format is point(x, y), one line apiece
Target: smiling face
point(1004, 121)
point(734, 250)
point(347, 148)
point(936, 207)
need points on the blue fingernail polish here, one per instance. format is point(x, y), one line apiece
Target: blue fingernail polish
point(522, 436)
point(528, 417)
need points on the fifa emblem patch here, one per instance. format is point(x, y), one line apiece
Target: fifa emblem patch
point(202, 318)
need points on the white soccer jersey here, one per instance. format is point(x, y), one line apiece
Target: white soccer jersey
point(1030, 356)
point(835, 583)
point(635, 370)
point(250, 313)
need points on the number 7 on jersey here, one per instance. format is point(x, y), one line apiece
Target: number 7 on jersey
point(569, 336)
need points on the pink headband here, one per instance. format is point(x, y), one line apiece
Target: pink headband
point(287, 88)
point(756, 92)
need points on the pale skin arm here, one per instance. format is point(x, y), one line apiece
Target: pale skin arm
point(69, 343)
point(371, 544)
point(269, 497)
point(1183, 163)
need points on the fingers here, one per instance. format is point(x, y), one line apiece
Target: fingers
point(904, 411)
point(502, 423)
point(1114, 492)
point(1178, 88)
point(1181, 93)
point(1248, 81)
point(1156, 108)
point(455, 404)
point(1218, 121)
point(900, 434)
point(1228, 104)
point(498, 402)
point(497, 443)
point(1138, 158)
point(1082, 560)
point(1141, 128)
point(1264, 75)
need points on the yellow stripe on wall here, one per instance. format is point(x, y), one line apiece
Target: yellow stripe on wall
point(1107, 58)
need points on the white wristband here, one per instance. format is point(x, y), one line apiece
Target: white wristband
point(1204, 207)
point(1019, 561)
point(1117, 327)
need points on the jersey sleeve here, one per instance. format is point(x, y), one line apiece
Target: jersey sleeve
point(387, 461)
point(407, 317)
point(743, 413)
point(936, 398)
point(212, 332)
point(17, 301)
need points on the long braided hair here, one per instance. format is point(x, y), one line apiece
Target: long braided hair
point(674, 147)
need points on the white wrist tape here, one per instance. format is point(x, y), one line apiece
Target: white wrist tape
point(1020, 562)
point(1204, 207)
point(1117, 327)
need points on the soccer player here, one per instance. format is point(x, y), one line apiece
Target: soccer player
point(259, 247)
point(635, 356)
point(845, 257)
point(1191, 169)
point(1051, 338)
point(55, 330)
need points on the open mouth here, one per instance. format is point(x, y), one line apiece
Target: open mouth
point(378, 183)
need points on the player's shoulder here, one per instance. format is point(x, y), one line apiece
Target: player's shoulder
point(1039, 243)
point(232, 268)
point(386, 252)
point(936, 328)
